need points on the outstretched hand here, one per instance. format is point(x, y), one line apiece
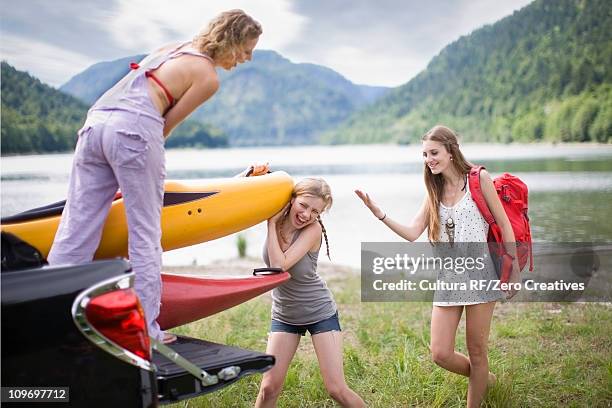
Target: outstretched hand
point(365, 197)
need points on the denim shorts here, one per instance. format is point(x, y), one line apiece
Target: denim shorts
point(330, 324)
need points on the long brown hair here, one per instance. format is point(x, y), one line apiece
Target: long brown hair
point(315, 187)
point(225, 32)
point(435, 182)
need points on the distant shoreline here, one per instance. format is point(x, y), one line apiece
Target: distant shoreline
point(245, 266)
point(467, 144)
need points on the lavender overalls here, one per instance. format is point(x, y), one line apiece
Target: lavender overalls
point(120, 146)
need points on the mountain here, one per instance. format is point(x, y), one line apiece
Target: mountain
point(90, 84)
point(540, 74)
point(274, 101)
point(269, 100)
point(37, 118)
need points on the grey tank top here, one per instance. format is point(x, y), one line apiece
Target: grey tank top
point(303, 299)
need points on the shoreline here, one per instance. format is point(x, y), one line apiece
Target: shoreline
point(245, 266)
point(538, 143)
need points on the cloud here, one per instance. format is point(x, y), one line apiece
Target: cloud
point(382, 42)
point(51, 64)
point(76, 26)
point(140, 26)
point(386, 42)
point(87, 31)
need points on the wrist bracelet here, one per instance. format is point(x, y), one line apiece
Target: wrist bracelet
point(383, 217)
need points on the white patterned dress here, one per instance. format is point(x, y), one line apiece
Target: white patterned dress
point(470, 227)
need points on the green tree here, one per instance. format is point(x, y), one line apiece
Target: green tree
point(583, 119)
point(542, 72)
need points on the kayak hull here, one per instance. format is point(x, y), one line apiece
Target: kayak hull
point(187, 298)
point(193, 212)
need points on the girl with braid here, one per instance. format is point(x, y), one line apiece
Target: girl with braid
point(304, 303)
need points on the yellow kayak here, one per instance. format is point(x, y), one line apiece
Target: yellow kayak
point(192, 213)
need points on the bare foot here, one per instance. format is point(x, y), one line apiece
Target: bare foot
point(492, 379)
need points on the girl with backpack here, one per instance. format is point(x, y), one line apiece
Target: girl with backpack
point(121, 146)
point(304, 303)
point(450, 215)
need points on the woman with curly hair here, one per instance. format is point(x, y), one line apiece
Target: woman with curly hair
point(121, 146)
point(304, 303)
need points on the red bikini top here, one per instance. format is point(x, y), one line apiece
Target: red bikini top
point(150, 74)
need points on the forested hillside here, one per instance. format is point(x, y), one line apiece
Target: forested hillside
point(542, 73)
point(267, 101)
point(37, 118)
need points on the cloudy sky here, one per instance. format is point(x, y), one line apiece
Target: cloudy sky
point(374, 42)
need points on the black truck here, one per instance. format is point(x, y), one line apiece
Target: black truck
point(81, 327)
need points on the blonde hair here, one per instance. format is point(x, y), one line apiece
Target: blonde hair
point(226, 32)
point(315, 187)
point(435, 182)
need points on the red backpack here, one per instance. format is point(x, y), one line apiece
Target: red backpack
point(512, 193)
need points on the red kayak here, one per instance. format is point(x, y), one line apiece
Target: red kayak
point(187, 298)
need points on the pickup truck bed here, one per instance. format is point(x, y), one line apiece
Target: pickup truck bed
point(43, 347)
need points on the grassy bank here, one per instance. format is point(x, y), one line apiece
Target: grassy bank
point(544, 355)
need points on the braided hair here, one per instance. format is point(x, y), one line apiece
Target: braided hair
point(324, 236)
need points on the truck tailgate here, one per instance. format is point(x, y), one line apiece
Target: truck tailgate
point(174, 383)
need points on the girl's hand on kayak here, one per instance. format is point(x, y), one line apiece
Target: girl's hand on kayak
point(255, 170)
point(260, 169)
point(378, 213)
point(276, 217)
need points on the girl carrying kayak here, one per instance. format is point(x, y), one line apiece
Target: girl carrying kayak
point(304, 303)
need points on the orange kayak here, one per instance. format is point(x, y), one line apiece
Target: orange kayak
point(193, 212)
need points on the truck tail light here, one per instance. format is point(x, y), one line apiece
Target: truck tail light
point(118, 316)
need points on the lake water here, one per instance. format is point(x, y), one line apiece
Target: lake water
point(570, 188)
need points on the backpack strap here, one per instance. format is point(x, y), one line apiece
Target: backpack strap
point(478, 197)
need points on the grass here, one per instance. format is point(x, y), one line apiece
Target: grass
point(544, 355)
